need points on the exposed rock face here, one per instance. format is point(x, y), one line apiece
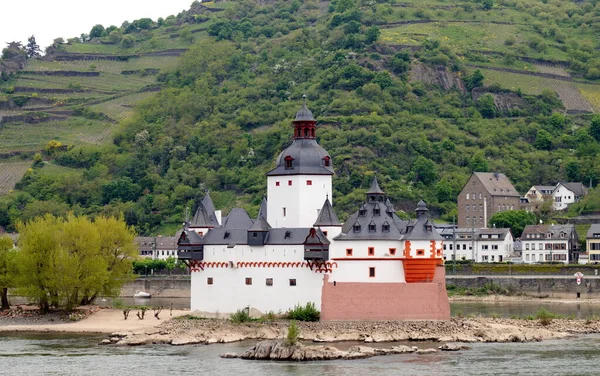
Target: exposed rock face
point(436, 76)
point(208, 331)
point(278, 350)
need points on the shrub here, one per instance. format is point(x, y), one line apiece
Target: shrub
point(545, 316)
point(241, 316)
point(292, 336)
point(306, 313)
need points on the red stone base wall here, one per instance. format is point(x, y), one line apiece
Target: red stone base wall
point(386, 301)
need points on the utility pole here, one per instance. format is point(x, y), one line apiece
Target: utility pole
point(453, 246)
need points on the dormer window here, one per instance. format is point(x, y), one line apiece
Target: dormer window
point(362, 211)
point(376, 211)
point(326, 161)
point(356, 227)
point(385, 227)
point(226, 236)
point(372, 227)
point(427, 227)
point(288, 234)
point(549, 235)
point(289, 162)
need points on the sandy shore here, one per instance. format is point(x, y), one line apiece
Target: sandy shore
point(102, 321)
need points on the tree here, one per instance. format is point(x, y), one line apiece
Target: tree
point(486, 106)
point(516, 220)
point(474, 80)
point(543, 140)
point(32, 49)
point(7, 256)
point(372, 34)
point(66, 262)
point(96, 31)
point(424, 170)
point(478, 163)
point(594, 130)
point(127, 42)
point(14, 51)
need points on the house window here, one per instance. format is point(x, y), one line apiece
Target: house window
point(289, 182)
point(468, 218)
point(277, 184)
point(287, 235)
point(269, 281)
point(392, 251)
point(468, 207)
point(292, 281)
point(372, 227)
point(348, 251)
point(371, 251)
point(209, 280)
point(371, 272)
point(467, 196)
point(480, 196)
point(420, 252)
point(248, 281)
point(226, 235)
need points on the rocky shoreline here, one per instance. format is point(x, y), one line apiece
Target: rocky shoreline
point(186, 331)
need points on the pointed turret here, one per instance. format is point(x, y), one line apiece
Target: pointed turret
point(375, 194)
point(262, 212)
point(205, 216)
point(327, 216)
point(422, 227)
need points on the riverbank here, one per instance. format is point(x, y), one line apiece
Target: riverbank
point(91, 319)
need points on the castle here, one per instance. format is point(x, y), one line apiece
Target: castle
point(375, 266)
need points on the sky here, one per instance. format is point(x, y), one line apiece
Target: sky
point(50, 19)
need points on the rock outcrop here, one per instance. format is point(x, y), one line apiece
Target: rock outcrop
point(279, 350)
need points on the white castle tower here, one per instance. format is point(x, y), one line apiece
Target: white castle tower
point(301, 181)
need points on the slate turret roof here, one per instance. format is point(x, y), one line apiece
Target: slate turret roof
point(327, 216)
point(205, 214)
point(422, 228)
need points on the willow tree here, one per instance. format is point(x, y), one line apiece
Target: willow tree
point(7, 255)
point(68, 261)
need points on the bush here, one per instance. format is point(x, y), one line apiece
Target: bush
point(241, 316)
point(545, 316)
point(306, 313)
point(292, 336)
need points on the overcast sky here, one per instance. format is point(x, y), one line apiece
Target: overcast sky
point(50, 19)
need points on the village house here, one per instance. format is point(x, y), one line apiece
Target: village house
point(296, 251)
point(565, 194)
point(484, 195)
point(592, 243)
point(545, 243)
point(157, 247)
point(479, 245)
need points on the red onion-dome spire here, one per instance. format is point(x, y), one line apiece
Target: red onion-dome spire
point(304, 123)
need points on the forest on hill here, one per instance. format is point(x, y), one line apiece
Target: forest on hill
point(411, 92)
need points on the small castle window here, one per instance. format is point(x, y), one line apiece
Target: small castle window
point(289, 165)
point(420, 252)
point(309, 182)
point(277, 184)
point(348, 251)
point(362, 212)
point(209, 281)
point(248, 281)
point(226, 236)
point(356, 228)
point(376, 211)
point(371, 272)
point(292, 281)
point(371, 251)
point(255, 234)
point(326, 161)
point(269, 281)
point(372, 227)
point(385, 227)
point(392, 251)
point(289, 182)
point(288, 234)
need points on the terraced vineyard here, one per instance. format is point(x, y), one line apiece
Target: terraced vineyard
point(11, 173)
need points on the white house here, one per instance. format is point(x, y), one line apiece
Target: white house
point(567, 193)
point(479, 245)
point(545, 243)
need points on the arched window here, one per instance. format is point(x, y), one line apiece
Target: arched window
point(326, 161)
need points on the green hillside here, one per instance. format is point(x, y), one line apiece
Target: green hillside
point(153, 113)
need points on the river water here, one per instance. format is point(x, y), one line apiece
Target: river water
point(62, 354)
point(51, 354)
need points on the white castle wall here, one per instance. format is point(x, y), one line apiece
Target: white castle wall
point(355, 268)
point(302, 202)
point(229, 291)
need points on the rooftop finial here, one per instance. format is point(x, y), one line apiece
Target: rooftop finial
point(304, 99)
